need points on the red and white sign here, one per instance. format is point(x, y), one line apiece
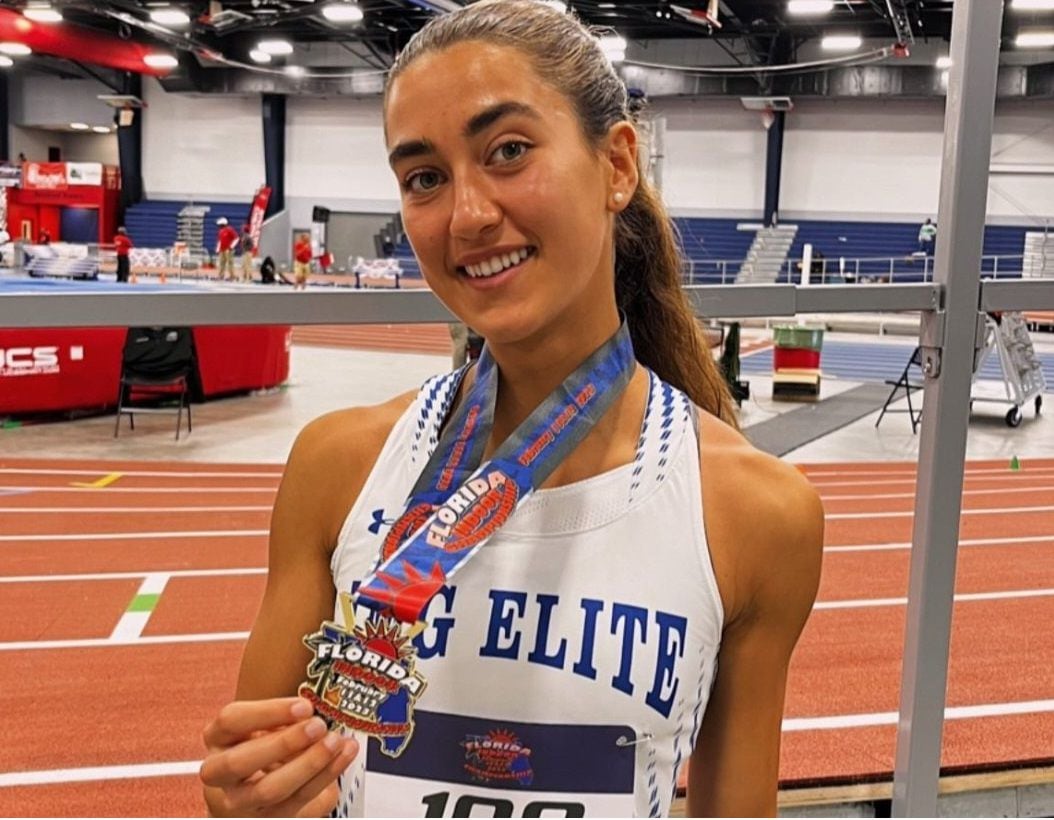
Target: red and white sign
point(45, 176)
point(256, 215)
point(84, 173)
point(29, 361)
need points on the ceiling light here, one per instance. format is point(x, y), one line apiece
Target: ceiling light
point(1025, 39)
point(170, 17)
point(15, 49)
point(79, 126)
point(342, 13)
point(294, 70)
point(809, 6)
point(42, 14)
point(258, 56)
point(944, 78)
point(160, 60)
point(6, 62)
point(944, 62)
point(840, 42)
point(100, 129)
point(275, 47)
point(1032, 5)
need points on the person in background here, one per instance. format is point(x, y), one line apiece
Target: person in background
point(927, 238)
point(123, 244)
point(5, 237)
point(267, 271)
point(247, 247)
point(45, 237)
point(301, 261)
point(226, 239)
point(387, 247)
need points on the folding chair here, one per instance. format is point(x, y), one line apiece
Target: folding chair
point(157, 367)
point(908, 386)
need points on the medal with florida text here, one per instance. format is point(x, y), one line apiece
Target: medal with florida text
point(364, 674)
point(364, 677)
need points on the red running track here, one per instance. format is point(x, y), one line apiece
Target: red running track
point(87, 702)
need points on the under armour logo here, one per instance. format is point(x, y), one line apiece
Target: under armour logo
point(379, 521)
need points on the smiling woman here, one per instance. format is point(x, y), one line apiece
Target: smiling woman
point(549, 579)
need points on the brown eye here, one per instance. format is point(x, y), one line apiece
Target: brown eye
point(423, 181)
point(510, 151)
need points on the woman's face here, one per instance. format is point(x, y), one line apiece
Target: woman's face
point(508, 209)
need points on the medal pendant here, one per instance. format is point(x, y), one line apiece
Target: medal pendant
point(364, 677)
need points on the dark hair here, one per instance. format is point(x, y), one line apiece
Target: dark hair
point(666, 335)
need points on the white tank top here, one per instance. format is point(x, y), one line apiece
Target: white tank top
point(569, 662)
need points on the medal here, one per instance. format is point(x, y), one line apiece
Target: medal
point(364, 675)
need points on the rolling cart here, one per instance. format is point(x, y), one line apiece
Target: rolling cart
point(1007, 334)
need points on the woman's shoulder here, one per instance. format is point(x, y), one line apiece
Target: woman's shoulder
point(761, 514)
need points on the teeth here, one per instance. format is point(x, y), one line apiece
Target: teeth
point(496, 264)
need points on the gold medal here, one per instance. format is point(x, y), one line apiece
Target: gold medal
point(365, 677)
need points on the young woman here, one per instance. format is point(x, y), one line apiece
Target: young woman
point(637, 611)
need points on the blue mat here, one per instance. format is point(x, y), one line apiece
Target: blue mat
point(875, 362)
point(28, 285)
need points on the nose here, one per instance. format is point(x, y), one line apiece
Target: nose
point(475, 210)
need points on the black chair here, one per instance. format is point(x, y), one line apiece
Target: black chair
point(906, 384)
point(158, 367)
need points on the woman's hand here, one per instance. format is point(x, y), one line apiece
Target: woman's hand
point(271, 758)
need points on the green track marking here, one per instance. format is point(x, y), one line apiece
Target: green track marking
point(143, 603)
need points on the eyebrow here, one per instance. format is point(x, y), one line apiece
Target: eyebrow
point(476, 125)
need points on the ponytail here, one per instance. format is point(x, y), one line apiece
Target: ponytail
point(666, 335)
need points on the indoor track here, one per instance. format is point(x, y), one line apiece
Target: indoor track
point(128, 589)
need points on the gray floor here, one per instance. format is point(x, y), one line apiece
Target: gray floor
point(261, 428)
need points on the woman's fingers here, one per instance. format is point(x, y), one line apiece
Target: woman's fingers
point(239, 720)
point(322, 805)
point(308, 800)
point(233, 766)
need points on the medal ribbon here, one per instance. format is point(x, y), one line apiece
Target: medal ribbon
point(457, 504)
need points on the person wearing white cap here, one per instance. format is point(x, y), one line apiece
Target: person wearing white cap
point(226, 239)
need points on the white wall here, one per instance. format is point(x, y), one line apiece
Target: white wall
point(201, 147)
point(715, 158)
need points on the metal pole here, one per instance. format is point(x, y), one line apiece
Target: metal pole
point(948, 348)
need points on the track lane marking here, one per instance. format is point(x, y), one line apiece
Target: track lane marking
point(90, 774)
point(117, 536)
point(1028, 707)
point(154, 473)
point(78, 510)
point(965, 511)
point(965, 597)
point(105, 481)
point(149, 640)
point(136, 616)
point(124, 576)
point(13, 489)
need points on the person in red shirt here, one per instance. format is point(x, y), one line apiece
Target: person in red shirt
point(123, 243)
point(226, 240)
point(302, 261)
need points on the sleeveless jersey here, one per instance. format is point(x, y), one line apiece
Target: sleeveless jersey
point(569, 662)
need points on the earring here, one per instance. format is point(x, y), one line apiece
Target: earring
point(619, 196)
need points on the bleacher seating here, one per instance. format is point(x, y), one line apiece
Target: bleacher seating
point(708, 243)
point(896, 240)
point(152, 222)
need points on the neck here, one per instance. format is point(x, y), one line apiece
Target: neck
point(531, 369)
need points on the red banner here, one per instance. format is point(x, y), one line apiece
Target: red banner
point(44, 176)
point(256, 215)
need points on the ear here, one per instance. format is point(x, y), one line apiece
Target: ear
point(620, 151)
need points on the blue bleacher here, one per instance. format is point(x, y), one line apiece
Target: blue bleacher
point(897, 240)
point(152, 223)
point(708, 242)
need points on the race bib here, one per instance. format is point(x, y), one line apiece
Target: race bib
point(470, 767)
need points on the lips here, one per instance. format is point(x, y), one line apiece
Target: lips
point(497, 263)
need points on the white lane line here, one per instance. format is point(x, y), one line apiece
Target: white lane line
point(94, 643)
point(111, 490)
point(135, 618)
point(910, 513)
point(67, 510)
point(124, 576)
point(1029, 707)
point(883, 496)
point(875, 482)
point(910, 471)
point(857, 603)
point(117, 536)
point(154, 473)
point(90, 774)
point(965, 542)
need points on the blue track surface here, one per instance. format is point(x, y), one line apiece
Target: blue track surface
point(874, 362)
